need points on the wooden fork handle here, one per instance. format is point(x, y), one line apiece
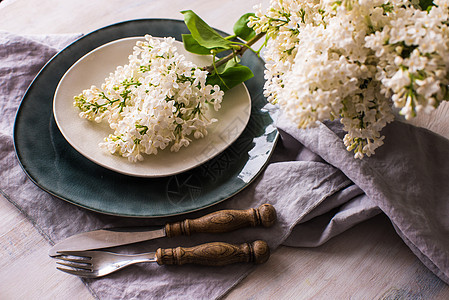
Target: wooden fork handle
point(224, 221)
point(215, 254)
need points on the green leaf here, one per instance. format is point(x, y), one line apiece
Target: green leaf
point(241, 28)
point(426, 4)
point(191, 45)
point(229, 75)
point(205, 35)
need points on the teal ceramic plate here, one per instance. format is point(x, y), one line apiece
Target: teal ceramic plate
point(56, 167)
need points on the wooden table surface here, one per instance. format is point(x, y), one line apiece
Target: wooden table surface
point(368, 261)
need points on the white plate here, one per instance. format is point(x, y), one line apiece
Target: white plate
point(84, 135)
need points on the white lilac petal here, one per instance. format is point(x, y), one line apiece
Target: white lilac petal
point(352, 59)
point(147, 99)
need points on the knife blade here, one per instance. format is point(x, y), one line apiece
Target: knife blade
point(216, 222)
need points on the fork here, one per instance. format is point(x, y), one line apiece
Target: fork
point(93, 264)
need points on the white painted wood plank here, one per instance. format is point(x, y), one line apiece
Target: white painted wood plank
point(26, 270)
point(367, 262)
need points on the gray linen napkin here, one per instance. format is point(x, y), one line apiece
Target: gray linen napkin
point(317, 187)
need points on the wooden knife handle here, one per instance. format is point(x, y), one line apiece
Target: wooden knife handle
point(215, 254)
point(224, 221)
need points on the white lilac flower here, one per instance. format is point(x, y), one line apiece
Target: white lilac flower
point(155, 101)
point(353, 60)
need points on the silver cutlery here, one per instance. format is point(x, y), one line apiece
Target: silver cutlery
point(216, 222)
point(94, 263)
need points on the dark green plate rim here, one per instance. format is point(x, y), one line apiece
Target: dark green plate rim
point(54, 166)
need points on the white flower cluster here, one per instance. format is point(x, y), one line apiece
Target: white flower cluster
point(158, 99)
point(354, 60)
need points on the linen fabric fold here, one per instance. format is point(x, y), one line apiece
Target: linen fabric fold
point(318, 189)
point(407, 179)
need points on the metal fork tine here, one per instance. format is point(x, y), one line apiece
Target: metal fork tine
point(75, 253)
point(76, 272)
point(76, 265)
point(75, 260)
point(94, 263)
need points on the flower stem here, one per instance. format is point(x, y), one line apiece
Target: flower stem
point(239, 52)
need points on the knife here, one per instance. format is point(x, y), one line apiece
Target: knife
point(216, 222)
